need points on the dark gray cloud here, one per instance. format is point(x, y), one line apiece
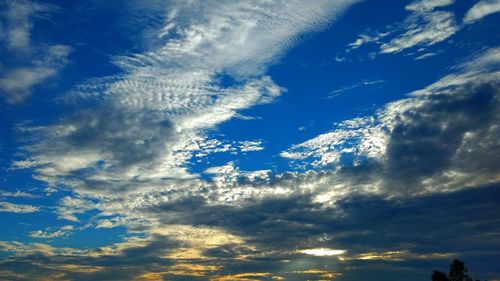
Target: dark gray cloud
point(99, 264)
point(407, 237)
point(437, 140)
point(96, 145)
point(446, 133)
point(127, 138)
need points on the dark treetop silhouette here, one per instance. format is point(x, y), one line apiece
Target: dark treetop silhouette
point(458, 272)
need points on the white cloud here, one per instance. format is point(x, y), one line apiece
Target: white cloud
point(428, 5)
point(422, 29)
point(47, 234)
point(480, 69)
point(364, 83)
point(360, 136)
point(17, 24)
point(18, 193)
point(481, 9)
point(35, 62)
point(70, 206)
point(425, 26)
point(154, 113)
point(17, 208)
point(394, 136)
point(426, 55)
point(365, 39)
point(246, 146)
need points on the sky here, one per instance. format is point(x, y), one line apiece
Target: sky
point(249, 140)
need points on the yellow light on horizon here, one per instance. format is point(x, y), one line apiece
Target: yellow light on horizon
point(323, 252)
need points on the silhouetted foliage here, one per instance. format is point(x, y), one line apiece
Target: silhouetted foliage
point(458, 272)
point(439, 276)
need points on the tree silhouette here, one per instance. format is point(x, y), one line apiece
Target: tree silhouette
point(439, 276)
point(458, 272)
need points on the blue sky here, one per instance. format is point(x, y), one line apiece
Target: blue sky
point(248, 140)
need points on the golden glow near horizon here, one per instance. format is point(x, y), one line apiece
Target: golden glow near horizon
point(248, 276)
point(323, 252)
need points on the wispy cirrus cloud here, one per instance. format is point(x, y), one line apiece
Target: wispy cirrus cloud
point(363, 83)
point(481, 10)
point(423, 27)
point(429, 23)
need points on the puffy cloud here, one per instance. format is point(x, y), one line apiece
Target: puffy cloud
point(48, 235)
point(356, 136)
point(423, 143)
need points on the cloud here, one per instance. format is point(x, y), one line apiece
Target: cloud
point(151, 117)
point(48, 235)
point(422, 29)
point(223, 240)
point(390, 230)
point(426, 55)
point(247, 146)
point(420, 142)
point(426, 25)
point(366, 38)
point(17, 23)
point(372, 188)
point(328, 148)
point(25, 63)
point(427, 5)
point(17, 208)
point(364, 83)
point(481, 10)
point(18, 193)
point(70, 206)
